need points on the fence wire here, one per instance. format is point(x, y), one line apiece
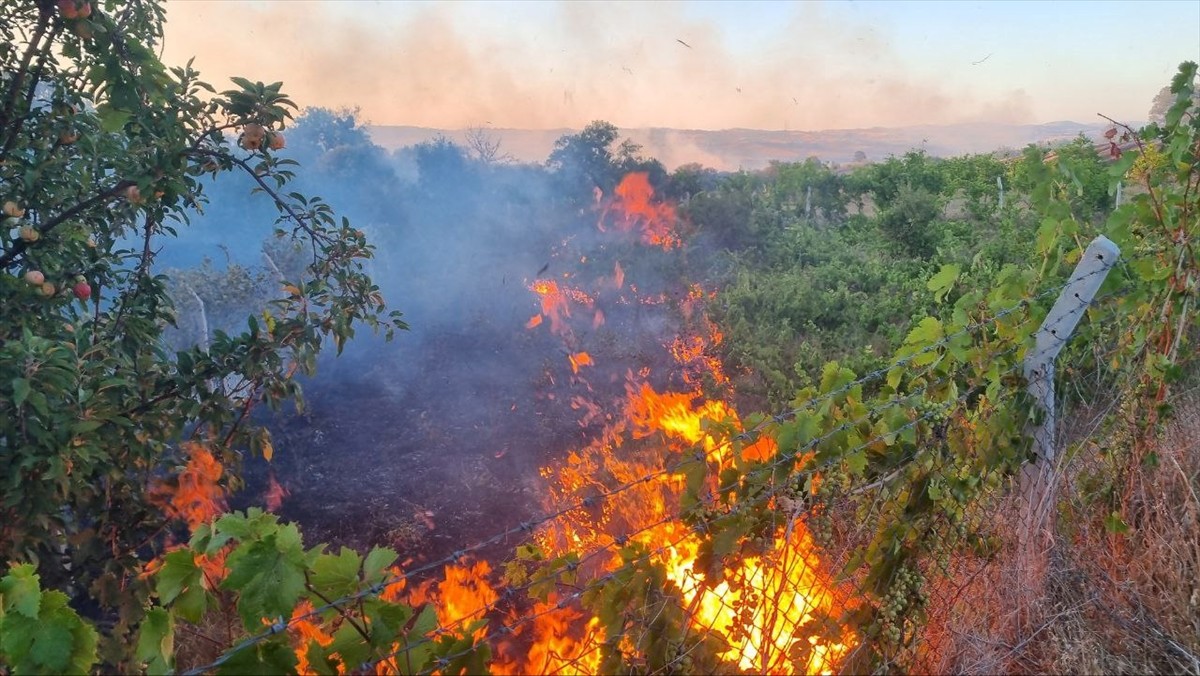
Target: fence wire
point(529, 527)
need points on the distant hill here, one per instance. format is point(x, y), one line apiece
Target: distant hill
point(753, 148)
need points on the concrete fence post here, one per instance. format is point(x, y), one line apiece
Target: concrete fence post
point(1039, 479)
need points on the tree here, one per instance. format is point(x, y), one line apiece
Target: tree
point(1162, 103)
point(585, 161)
point(909, 221)
point(100, 141)
point(485, 147)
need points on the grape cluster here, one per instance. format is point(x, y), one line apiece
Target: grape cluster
point(905, 598)
point(931, 412)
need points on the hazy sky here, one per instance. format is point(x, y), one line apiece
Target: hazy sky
point(767, 65)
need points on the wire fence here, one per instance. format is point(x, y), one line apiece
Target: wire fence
point(764, 621)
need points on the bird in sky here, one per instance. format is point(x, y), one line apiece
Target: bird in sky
point(683, 43)
point(976, 63)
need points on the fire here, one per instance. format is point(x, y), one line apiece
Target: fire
point(274, 495)
point(463, 596)
point(556, 303)
point(766, 601)
point(634, 204)
point(578, 360)
point(196, 496)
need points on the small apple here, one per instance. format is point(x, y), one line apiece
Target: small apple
point(35, 277)
point(73, 9)
point(48, 289)
point(133, 194)
point(12, 210)
point(82, 290)
point(253, 136)
point(67, 138)
point(276, 142)
point(91, 242)
point(29, 234)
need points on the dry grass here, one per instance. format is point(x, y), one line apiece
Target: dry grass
point(1113, 603)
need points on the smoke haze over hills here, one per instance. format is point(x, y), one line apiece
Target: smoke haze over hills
point(733, 149)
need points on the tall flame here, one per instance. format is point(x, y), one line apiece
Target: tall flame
point(635, 207)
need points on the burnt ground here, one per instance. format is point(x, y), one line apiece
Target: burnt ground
point(433, 443)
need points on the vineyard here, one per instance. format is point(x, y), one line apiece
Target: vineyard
point(923, 415)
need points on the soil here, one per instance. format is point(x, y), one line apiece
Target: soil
point(443, 452)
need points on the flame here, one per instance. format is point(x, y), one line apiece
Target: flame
point(196, 495)
point(556, 302)
point(763, 601)
point(579, 359)
point(274, 495)
point(463, 596)
point(553, 648)
point(634, 204)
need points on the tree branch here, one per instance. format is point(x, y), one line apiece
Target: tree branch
point(20, 245)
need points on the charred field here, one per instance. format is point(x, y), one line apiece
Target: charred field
point(434, 442)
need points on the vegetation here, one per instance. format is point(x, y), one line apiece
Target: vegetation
point(121, 424)
point(103, 151)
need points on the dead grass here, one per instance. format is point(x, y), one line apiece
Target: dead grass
point(1113, 602)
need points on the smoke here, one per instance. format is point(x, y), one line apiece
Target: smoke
point(637, 65)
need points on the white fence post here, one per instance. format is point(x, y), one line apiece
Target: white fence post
point(1038, 480)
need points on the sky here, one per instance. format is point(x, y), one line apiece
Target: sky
point(696, 65)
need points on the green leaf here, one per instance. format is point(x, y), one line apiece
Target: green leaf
point(941, 283)
point(1114, 524)
point(112, 120)
point(856, 462)
point(179, 572)
point(376, 564)
point(267, 658)
point(927, 332)
point(20, 391)
point(268, 578)
point(335, 576)
point(20, 591)
point(156, 641)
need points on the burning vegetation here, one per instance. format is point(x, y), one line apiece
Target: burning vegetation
point(621, 491)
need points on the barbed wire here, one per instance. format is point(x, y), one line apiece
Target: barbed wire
point(529, 526)
point(772, 493)
point(621, 540)
point(750, 505)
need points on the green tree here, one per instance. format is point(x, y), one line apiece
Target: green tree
point(909, 221)
point(101, 145)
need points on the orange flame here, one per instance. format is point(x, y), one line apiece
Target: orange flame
point(634, 202)
point(274, 495)
point(196, 495)
point(463, 596)
point(580, 359)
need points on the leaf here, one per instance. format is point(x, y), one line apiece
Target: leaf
point(1114, 524)
point(268, 451)
point(927, 332)
point(156, 641)
point(51, 647)
point(336, 576)
point(941, 283)
point(267, 658)
point(269, 580)
point(856, 462)
point(376, 564)
point(112, 120)
point(179, 572)
point(20, 591)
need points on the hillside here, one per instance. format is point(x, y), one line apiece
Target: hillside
point(731, 149)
